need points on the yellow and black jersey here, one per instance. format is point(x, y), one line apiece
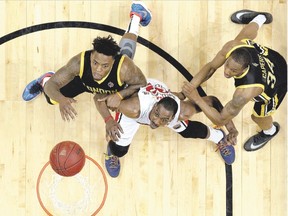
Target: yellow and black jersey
point(85, 82)
point(109, 84)
point(268, 70)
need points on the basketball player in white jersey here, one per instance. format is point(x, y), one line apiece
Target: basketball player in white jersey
point(156, 106)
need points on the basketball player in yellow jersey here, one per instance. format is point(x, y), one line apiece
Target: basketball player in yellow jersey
point(104, 70)
point(260, 74)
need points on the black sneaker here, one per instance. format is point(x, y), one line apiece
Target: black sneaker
point(248, 16)
point(259, 140)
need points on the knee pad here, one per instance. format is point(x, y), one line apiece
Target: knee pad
point(118, 150)
point(128, 47)
point(195, 130)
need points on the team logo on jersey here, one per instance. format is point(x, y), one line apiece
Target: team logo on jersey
point(110, 84)
point(158, 91)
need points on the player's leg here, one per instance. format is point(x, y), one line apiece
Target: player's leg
point(265, 123)
point(262, 117)
point(112, 155)
point(254, 20)
point(140, 15)
point(269, 130)
point(195, 129)
point(118, 149)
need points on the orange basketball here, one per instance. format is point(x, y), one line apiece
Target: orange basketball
point(67, 158)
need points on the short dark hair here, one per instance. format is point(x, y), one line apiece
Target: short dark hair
point(242, 56)
point(106, 46)
point(169, 104)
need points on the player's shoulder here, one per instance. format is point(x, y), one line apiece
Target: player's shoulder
point(126, 60)
point(127, 64)
point(73, 65)
point(231, 44)
point(75, 59)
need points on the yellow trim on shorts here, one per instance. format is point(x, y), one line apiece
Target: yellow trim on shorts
point(263, 94)
point(82, 64)
point(276, 99)
point(262, 114)
point(119, 69)
point(263, 106)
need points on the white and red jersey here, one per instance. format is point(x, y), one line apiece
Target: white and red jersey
point(151, 94)
point(148, 97)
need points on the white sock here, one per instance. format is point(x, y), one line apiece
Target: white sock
point(134, 25)
point(260, 20)
point(215, 135)
point(270, 131)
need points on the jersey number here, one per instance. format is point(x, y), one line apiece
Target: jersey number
point(271, 79)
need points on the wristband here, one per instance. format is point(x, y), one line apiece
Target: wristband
point(108, 118)
point(119, 95)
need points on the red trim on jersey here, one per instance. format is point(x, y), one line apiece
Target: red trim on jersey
point(117, 116)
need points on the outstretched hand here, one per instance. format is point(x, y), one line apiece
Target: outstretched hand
point(66, 109)
point(112, 101)
point(113, 130)
point(232, 138)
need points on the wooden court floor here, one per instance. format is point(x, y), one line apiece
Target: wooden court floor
point(163, 173)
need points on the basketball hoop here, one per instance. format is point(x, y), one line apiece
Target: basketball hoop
point(79, 206)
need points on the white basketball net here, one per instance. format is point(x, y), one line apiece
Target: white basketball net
point(77, 208)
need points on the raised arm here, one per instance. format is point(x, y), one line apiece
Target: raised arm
point(131, 75)
point(214, 102)
point(250, 31)
point(230, 110)
point(61, 78)
point(210, 68)
point(130, 107)
point(113, 129)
